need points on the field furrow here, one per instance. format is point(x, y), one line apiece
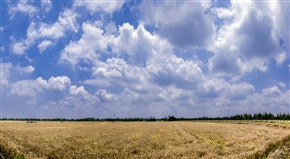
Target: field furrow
point(140, 139)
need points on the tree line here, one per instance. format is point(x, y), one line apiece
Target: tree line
point(245, 116)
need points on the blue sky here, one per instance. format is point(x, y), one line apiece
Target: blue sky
point(76, 59)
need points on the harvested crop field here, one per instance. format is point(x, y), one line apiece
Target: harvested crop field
point(141, 139)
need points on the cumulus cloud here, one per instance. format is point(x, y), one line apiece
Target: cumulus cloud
point(43, 45)
point(31, 88)
point(59, 83)
point(176, 71)
point(225, 63)
point(190, 27)
point(117, 72)
point(199, 61)
point(74, 90)
point(272, 91)
point(77, 99)
point(144, 49)
point(86, 48)
point(28, 88)
point(19, 48)
point(99, 5)
point(217, 87)
point(27, 69)
point(240, 91)
point(255, 38)
point(248, 38)
point(105, 96)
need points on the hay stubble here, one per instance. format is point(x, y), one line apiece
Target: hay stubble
point(139, 139)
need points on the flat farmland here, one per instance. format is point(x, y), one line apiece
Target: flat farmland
point(141, 139)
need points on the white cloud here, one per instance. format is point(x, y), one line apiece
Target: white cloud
point(144, 49)
point(59, 83)
point(173, 94)
point(105, 96)
point(271, 100)
point(86, 48)
point(5, 73)
point(77, 106)
point(97, 82)
point(147, 68)
point(77, 99)
point(240, 91)
point(28, 88)
point(31, 34)
point(110, 28)
point(44, 44)
point(255, 37)
point(39, 31)
point(281, 57)
point(155, 67)
point(117, 71)
point(31, 88)
point(65, 22)
point(100, 5)
point(46, 5)
point(53, 31)
point(19, 48)
point(176, 71)
point(188, 27)
point(74, 90)
point(101, 71)
point(67, 19)
point(8, 70)
point(113, 68)
point(27, 69)
point(246, 39)
point(281, 84)
point(223, 13)
point(22, 6)
point(218, 87)
point(280, 10)
point(272, 91)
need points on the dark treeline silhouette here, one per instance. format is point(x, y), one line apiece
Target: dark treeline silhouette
point(245, 116)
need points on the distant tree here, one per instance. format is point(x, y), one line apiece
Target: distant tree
point(171, 118)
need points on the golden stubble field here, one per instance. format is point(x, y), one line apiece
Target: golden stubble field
point(139, 139)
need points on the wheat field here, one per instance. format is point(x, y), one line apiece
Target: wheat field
point(139, 139)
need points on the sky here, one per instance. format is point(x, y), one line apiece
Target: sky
point(104, 59)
